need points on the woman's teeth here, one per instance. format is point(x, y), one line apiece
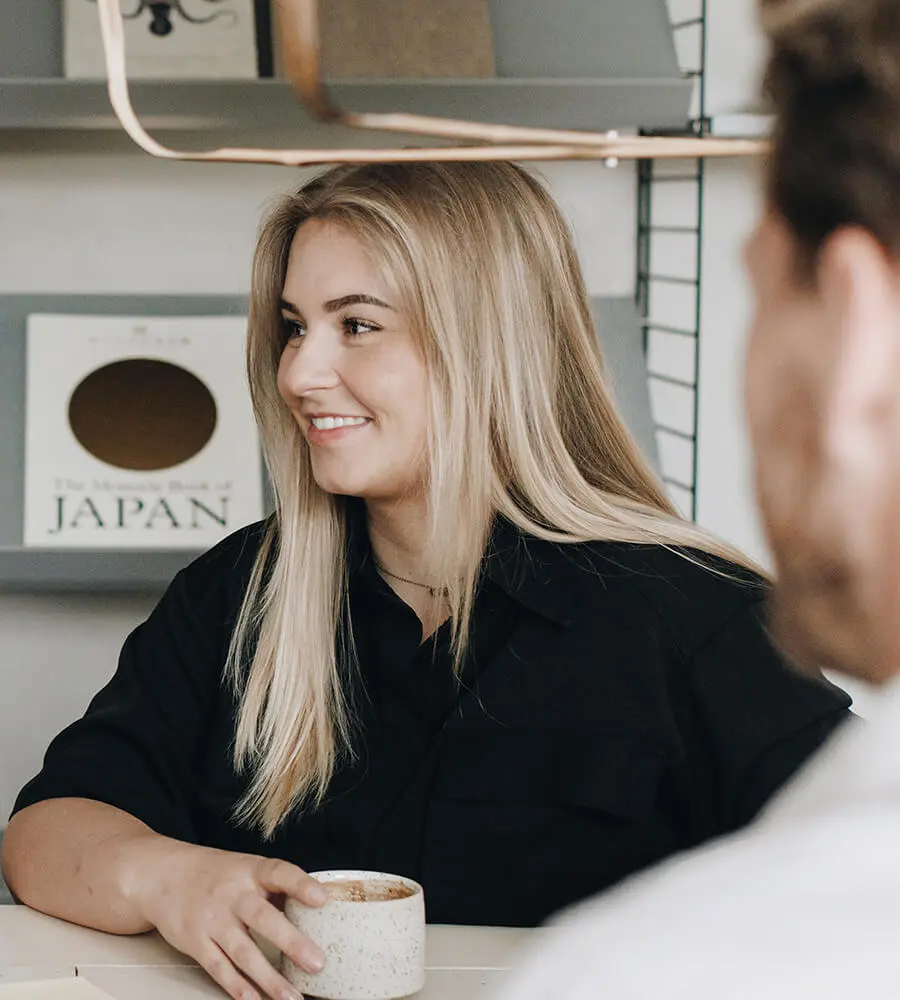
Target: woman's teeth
point(331, 423)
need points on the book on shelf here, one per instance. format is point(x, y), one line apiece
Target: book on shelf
point(400, 39)
point(139, 432)
point(192, 39)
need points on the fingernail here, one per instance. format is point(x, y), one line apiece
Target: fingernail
point(318, 894)
point(291, 995)
point(315, 960)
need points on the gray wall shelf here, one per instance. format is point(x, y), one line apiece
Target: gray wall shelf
point(38, 569)
point(261, 107)
point(71, 570)
point(578, 64)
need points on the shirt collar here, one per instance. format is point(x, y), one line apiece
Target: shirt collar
point(539, 575)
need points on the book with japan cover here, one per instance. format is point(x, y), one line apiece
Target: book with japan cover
point(139, 432)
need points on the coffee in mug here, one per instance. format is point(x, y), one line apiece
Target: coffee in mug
point(358, 890)
point(372, 932)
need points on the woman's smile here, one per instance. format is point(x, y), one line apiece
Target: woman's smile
point(324, 429)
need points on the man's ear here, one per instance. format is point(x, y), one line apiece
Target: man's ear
point(859, 289)
point(859, 285)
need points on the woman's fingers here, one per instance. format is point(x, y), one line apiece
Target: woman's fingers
point(220, 968)
point(281, 876)
point(207, 911)
point(238, 946)
point(277, 899)
point(261, 916)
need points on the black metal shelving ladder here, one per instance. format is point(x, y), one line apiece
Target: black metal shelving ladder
point(670, 225)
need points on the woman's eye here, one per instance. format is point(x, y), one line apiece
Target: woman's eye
point(293, 330)
point(355, 327)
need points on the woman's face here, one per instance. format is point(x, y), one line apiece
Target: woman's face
point(351, 373)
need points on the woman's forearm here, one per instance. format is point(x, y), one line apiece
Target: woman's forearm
point(80, 860)
point(91, 864)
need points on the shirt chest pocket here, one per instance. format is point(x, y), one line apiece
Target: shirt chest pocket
point(544, 817)
point(605, 773)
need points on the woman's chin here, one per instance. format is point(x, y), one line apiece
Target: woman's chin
point(344, 485)
point(338, 478)
point(381, 489)
point(339, 489)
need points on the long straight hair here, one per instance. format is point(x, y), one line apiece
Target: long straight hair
point(521, 425)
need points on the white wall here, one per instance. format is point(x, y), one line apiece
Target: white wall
point(735, 53)
point(731, 204)
point(724, 494)
point(57, 651)
point(77, 221)
point(122, 222)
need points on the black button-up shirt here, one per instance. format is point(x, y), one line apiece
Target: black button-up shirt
point(617, 704)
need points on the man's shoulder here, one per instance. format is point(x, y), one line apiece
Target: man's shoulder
point(746, 917)
point(740, 919)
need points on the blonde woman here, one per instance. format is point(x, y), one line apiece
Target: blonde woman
point(474, 645)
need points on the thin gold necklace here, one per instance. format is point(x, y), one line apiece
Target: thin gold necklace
point(433, 591)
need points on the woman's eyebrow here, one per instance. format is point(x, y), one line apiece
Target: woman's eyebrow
point(335, 305)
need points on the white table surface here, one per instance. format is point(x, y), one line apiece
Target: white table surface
point(462, 962)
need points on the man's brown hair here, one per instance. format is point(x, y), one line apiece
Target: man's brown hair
point(833, 81)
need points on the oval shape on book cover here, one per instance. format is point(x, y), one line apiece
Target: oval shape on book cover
point(142, 414)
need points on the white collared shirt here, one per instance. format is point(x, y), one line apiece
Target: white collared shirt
point(804, 903)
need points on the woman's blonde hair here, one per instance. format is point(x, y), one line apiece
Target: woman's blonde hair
point(522, 425)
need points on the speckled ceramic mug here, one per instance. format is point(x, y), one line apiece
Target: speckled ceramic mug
point(372, 931)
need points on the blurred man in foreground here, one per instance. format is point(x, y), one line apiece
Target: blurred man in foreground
point(806, 903)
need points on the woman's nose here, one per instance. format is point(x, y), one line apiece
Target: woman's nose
point(311, 365)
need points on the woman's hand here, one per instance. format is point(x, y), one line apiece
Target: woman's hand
point(205, 902)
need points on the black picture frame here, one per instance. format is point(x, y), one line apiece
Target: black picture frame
point(265, 52)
